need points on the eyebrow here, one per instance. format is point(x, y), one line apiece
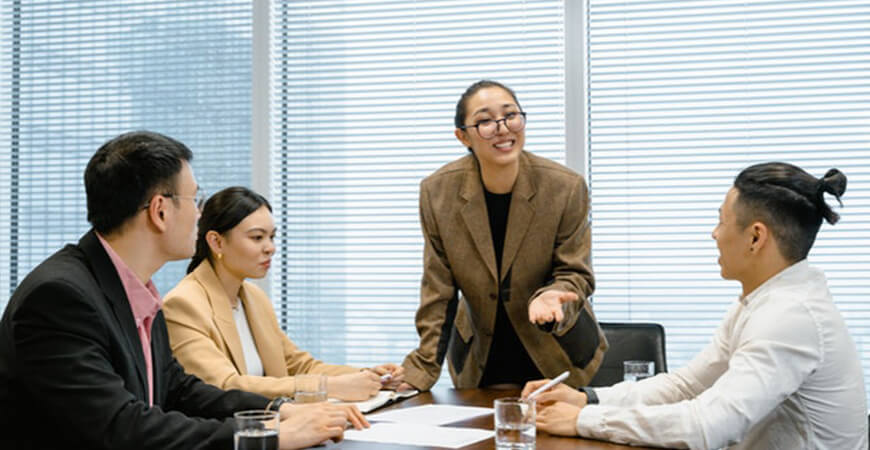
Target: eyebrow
point(258, 229)
point(486, 109)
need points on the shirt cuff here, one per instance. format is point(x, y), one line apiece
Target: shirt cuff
point(590, 421)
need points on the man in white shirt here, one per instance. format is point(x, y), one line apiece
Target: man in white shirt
point(781, 372)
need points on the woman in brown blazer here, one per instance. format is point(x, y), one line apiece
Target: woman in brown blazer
point(506, 269)
point(223, 329)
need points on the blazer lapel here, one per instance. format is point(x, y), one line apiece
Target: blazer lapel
point(475, 217)
point(223, 313)
point(110, 282)
point(520, 215)
point(271, 352)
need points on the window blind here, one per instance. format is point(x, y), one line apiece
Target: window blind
point(685, 94)
point(364, 94)
point(74, 74)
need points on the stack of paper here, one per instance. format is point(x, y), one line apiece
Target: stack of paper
point(419, 425)
point(430, 414)
point(424, 435)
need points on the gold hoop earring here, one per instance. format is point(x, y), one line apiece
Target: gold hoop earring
point(220, 256)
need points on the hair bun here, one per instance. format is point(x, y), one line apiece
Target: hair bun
point(834, 182)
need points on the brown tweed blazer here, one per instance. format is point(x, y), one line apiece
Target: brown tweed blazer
point(547, 246)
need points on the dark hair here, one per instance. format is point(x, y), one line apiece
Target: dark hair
point(223, 211)
point(462, 104)
point(788, 200)
point(126, 171)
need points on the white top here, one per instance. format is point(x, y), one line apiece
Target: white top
point(249, 348)
point(782, 372)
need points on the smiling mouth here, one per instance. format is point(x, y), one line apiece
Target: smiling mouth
point(506, 145)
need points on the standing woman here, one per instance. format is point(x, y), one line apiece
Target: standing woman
point(506, 248)
point(223, 329)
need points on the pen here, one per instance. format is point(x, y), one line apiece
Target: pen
point(550, 384)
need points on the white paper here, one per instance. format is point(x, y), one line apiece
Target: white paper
point(430, 414)
point(422, 435)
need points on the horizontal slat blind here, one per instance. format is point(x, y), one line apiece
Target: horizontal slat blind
point(76, 73)
point(364, 94)
point(682, 96)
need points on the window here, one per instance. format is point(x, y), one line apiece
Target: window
point(364, 95)
point(683, 95)
point(74, 74)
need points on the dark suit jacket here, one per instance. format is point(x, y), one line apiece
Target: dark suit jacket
point(546, 246)
point(72, 372)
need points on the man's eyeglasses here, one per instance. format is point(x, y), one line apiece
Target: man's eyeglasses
point(198, 199)
point(487, 128)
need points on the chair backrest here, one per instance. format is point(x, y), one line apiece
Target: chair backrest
point(628, 341)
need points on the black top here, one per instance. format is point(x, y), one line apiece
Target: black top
point(497, 207)
point(508, 360)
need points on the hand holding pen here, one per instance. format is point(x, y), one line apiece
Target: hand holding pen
point(550, 391)
point(391, 375)
point(545, 386)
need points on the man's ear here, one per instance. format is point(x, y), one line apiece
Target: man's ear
point(157, 212)
point(760, 236)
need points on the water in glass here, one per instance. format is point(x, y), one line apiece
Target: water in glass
point(514, 423)
point(515, 436)
point(309, 397)
point(256, 440)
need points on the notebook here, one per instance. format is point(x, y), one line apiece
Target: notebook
point(383, 398)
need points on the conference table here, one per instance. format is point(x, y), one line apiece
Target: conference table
point(479, 397)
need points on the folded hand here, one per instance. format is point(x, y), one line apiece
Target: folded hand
point(396, 372)
point(354, 387)
point(558, 418)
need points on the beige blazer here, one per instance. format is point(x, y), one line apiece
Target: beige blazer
point(205, 340)
point(547, 246)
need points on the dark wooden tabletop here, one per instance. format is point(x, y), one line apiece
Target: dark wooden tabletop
point(479, 397)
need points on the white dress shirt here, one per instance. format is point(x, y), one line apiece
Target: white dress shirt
point(249, 347)
point(782, 372)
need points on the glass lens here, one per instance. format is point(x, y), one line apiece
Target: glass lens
point(515, 121)
point(487, 128)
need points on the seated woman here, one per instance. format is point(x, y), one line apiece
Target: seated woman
point(223, 329)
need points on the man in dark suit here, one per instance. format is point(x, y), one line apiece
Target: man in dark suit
point(84, 353)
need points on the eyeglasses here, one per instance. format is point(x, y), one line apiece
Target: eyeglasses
point(199, 198)
point(487, 128)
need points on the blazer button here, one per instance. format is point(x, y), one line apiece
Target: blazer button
point(493, 296)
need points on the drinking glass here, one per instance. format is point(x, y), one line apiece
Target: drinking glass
point(310, 389)
point(514, 423)
point(637, 370)
point(256, 430)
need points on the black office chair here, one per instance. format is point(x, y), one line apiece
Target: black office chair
point(628, 341)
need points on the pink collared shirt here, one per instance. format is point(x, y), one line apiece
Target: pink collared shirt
point(145, 302)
